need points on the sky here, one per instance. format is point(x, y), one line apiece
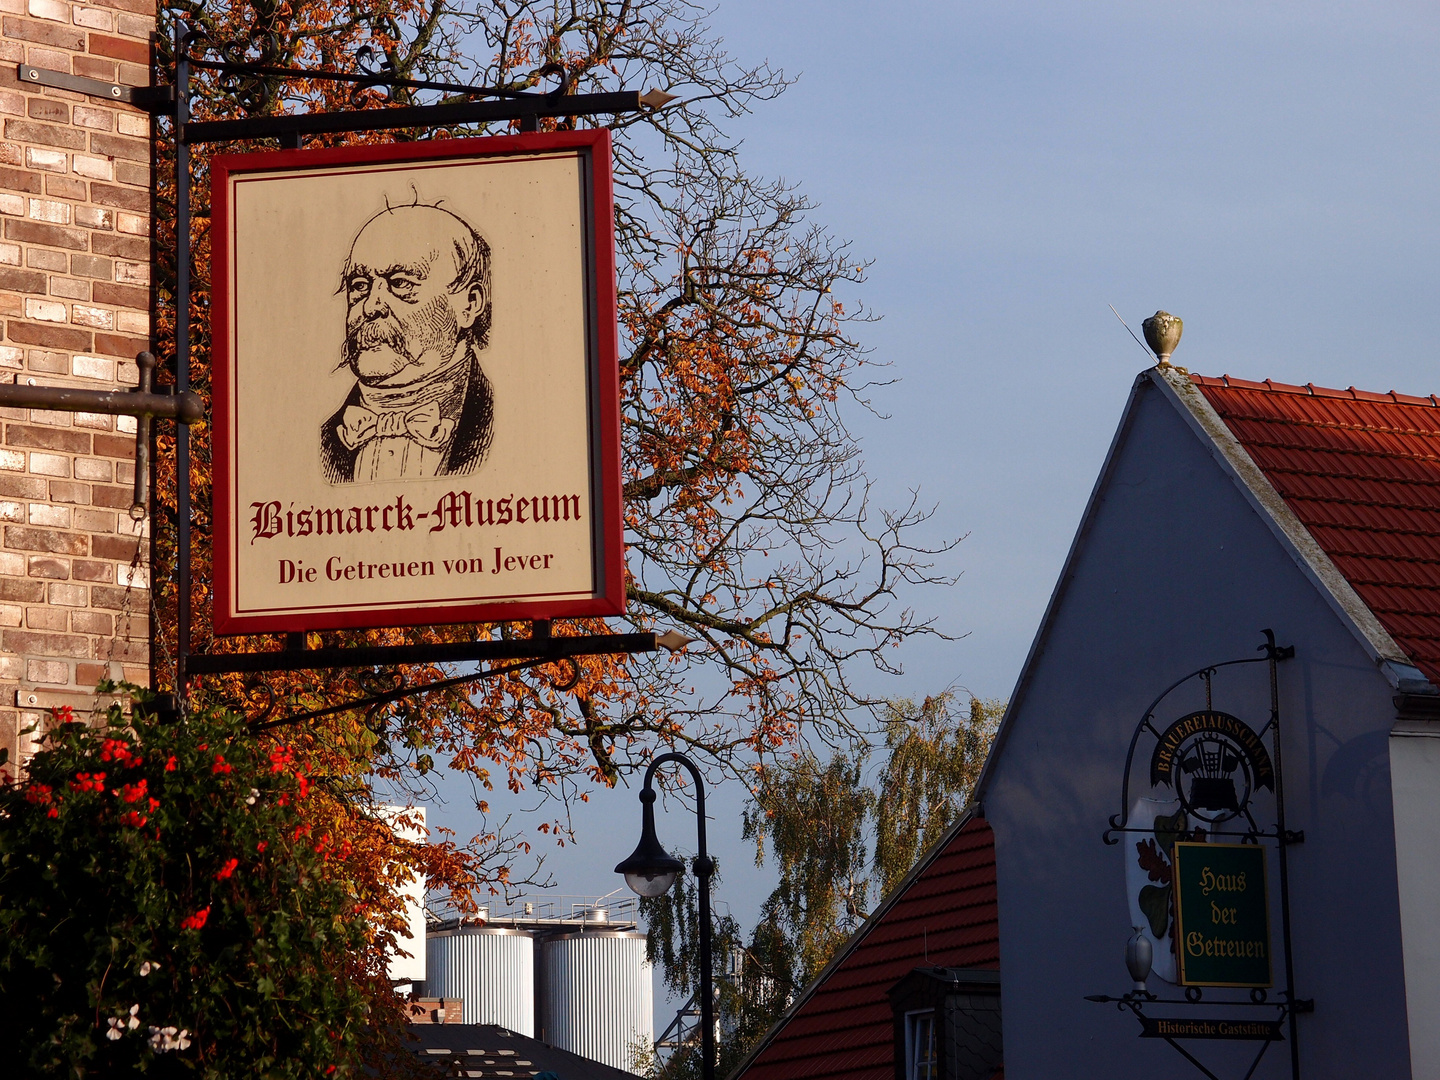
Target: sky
point(1266, 171)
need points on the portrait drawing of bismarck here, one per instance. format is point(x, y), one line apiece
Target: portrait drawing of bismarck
point(417, 290)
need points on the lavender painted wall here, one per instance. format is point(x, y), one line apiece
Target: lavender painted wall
point(1174, 570)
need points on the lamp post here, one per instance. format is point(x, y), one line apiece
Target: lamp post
point(651, 870)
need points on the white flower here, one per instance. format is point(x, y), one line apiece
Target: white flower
point(254, 794)
point(167, 1038)
point(149, 966)
point(134, 1021)
point(117, 1029)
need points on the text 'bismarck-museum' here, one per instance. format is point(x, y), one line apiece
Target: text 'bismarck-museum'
point(452, 510)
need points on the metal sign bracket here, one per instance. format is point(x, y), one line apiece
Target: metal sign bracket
point(153, 99)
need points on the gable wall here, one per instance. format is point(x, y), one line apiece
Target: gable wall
point(1176, 572)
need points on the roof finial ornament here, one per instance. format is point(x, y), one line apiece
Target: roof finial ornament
point(1162, 334)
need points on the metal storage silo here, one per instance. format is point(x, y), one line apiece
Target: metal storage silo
point(490, 968)
point(596, 995)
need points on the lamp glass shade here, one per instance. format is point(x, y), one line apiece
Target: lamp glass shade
point(650, 884)
point(650, 870)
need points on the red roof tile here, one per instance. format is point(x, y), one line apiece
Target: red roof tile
point(1362, 472)
point(944, 916)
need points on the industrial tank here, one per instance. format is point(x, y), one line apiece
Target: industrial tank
point(490, 968)
point(596, 996)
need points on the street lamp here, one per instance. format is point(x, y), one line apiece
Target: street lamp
point(650, 871)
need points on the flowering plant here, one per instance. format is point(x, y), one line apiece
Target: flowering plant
point(164, 905)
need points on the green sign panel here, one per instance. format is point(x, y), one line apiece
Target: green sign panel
point(1222, 915)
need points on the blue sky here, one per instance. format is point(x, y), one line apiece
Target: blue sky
point(1266, 171)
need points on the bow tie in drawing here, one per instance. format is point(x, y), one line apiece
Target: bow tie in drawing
point(424, 425)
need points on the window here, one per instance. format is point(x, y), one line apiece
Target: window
point(921, 1061)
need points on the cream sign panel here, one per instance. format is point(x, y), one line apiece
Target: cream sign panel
point(418, 371)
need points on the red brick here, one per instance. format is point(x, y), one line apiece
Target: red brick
point(25, 281)
point(29, 643)
point(22, 487)
point(119, 345)
point(44, 134)
point(38, 232)
point(91, 674)
point(92, 622)
point(136, 52)
point(134, 248)
point(67, 491)
point(120, 146)
point(130, 172)
point(92, 67)
point(107, 596)
point(26, 592)
point(48, 336)
point(18, 180)
point(66, 187)
point(46, 618)
point(113, 498)
point(46, 33)
point(54, 569)
point(40, 108)
point(119, 548)
point(130, 296)
point(87, 570)
point(47, 438)
point(23, 538)
point(135, 7)
point(125, 198)
point(92, 267)
point(122, 650)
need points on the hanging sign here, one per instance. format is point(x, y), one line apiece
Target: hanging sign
point(1162, 1027)
point(1222, 914)
point(416, 386)
point(1214, 762)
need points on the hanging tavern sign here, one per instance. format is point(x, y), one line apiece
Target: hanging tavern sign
point(1214, 762)
point(416, 390)
point(1222, 915)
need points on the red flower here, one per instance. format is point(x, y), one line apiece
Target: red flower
point(226, 870)
point(64, 714)
point(38, 794)
point(170, 765)
point(116, 750)
point(261, 846)
point(134, 817)
point(88, 782)
point(196, 921)
point(52, 812)
point(279, 758)
point(221, 766)
point(134, 792)
point(304, 784)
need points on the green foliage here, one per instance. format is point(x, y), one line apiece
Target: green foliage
point(936, 752)
point(165, 908)
point(818, 819)
point(815, 818)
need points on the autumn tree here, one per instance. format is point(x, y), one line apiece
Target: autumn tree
point(750, 523)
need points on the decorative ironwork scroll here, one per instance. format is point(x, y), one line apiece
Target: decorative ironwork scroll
point(1215, 764)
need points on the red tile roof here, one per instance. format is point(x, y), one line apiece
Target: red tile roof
point(945, 915)
point(1362, 472)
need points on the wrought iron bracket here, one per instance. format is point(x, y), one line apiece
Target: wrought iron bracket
point(143, 403)
point(152, 99)
point(538, 649)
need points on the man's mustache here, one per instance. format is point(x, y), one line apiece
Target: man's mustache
point(374, 333)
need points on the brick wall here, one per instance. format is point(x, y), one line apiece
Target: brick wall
point(75, 302)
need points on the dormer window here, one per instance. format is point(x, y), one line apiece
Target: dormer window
point(921, 1062)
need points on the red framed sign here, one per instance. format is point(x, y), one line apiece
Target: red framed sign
point(416, 408)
